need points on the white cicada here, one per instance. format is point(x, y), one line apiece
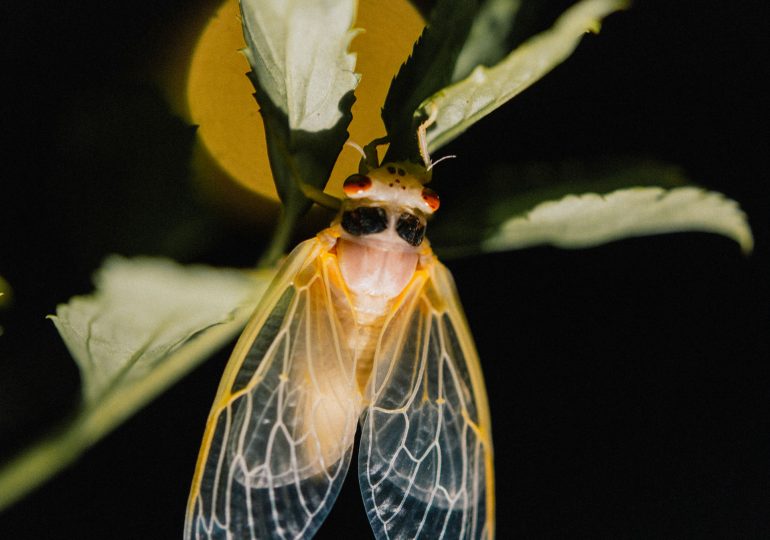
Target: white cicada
point(362, 323)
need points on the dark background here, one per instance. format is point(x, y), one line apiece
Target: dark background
point(629, 384)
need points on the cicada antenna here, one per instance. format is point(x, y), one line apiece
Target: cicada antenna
point(439, 160)
point(371, 160)
point(368, 155)
point(357, 148)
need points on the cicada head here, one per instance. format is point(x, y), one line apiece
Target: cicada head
point(395, 184)
point(390, 201)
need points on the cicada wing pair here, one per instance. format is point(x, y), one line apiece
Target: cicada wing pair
point(280, 434)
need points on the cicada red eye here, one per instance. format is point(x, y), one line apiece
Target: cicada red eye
point(355, 184)
point(430, 197)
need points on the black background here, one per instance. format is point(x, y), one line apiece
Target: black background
point(628, 383)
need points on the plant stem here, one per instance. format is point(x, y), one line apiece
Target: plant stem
point(43, 459)
point(39, 462)
point(281, 237)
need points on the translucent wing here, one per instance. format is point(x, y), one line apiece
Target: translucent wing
point(425, 463)
point(279, 437)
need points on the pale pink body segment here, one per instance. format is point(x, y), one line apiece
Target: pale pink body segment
point(374, 275)
point(377, 267)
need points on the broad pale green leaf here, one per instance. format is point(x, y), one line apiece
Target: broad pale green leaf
point(487, 41)
point(589, 219)
point(464, 103)
point(298, 50)
point(505, 190)
point(303, 76)
point(428, 69)
point(143, 310)
point(149, 322)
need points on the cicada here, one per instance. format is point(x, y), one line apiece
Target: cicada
point(362, 324)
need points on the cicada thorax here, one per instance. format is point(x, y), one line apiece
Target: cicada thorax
point(380, 245)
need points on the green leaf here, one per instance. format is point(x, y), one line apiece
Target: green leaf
point(464, 103)
point(298, 159)
point(149, 322)
point(304, 80)
point(487, 42)
point(505, 190)
point(298, 51)
point(539, 182)
point(590, 219)
point(509, 214)
point(428, 69)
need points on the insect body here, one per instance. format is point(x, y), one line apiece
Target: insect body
point(362, 323)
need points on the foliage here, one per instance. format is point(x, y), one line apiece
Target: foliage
point(151, 321)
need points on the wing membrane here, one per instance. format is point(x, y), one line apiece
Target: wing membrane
point(425, 464)
point(280, 434)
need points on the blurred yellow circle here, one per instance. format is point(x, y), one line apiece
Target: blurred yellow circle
point(219, 96)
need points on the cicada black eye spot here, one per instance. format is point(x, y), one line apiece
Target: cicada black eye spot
point(411, 229)
point(365, 220)
point(355, 184)
point(401, 172)
point(391, 169)
point(430, 197)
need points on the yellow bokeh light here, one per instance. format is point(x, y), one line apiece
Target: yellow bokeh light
point(219, 95)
